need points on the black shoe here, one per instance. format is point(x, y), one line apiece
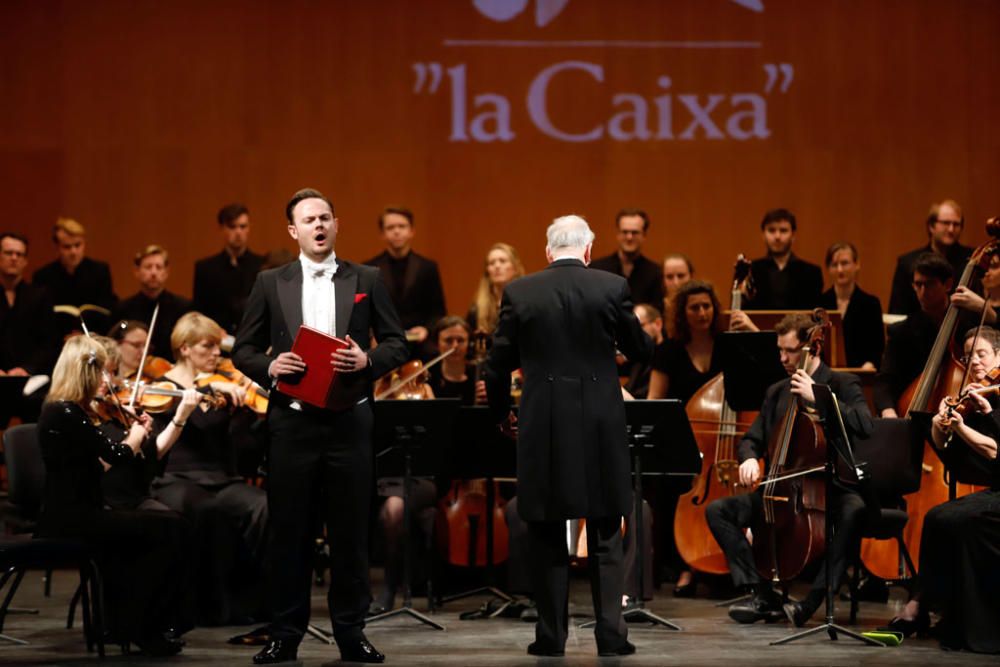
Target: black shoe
point(796, 613)
point(539, 649)
point(628, 648)
point(359, 650)
point(256, 637)
point(688, 590)
point(158, 646)
point(761, 607)
point(277, 650)
point(920, 625)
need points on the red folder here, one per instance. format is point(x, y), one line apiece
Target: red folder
point(321, 385)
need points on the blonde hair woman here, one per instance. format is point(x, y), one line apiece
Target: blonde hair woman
point(502, 265)
point(137, 551)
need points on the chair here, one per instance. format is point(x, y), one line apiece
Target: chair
point(26, 476)
point(894, 456)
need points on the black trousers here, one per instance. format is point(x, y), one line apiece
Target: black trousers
point(728, 517)
point(550, 580)
point(320, 471)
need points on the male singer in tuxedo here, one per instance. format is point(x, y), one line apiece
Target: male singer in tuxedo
point(320, 461)
point(561, 326)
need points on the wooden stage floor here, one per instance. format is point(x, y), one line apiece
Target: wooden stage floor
point(708, 638)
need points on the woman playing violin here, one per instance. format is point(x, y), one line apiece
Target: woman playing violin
point(960, 548)
point(200, 480)
point(138, 551)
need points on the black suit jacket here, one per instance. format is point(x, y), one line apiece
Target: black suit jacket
point(419, 300)
point(221, 289)
point(274, 313)
point(561, 327)
point(845, 386)
point(903, 300)
point(796, 287)
point(89, 284)
point(646, 281)
point(864, 333)
point(28, 335)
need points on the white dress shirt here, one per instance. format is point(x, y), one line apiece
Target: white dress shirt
point(318, 296)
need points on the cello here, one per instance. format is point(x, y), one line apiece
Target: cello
point(942, 376)
point(790, 531)
point(718, 429)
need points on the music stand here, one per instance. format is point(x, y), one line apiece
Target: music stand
point(750, 364)
point(492, 456)
point(661, 443)
point(409, 436)
point(840, 462)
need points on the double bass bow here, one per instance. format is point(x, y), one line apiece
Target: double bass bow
point(790, 532)
point(718, 429)
point(942, 376)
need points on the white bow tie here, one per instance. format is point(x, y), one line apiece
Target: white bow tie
point(319, 270)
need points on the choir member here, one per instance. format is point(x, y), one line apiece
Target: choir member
point(864, 333)
point(502, 265)
point(138, 552)
point(960, 547)
point(152, 268)
point(944, 229)
point(677, 270)
point(413, 280)
point(28, 344)
point(73, 279)
point(783, 281)
point(644, 276)
point(222, 282)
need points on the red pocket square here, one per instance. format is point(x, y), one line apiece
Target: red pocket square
point(358, 298)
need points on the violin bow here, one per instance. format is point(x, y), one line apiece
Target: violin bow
point(107, 378)
point(145, 352)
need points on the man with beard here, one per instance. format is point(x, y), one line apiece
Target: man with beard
point(783, 281)
point(644, 276)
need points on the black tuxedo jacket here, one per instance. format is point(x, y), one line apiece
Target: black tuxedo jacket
point(561, 327)
point(221, 289)
point(274, 313)
point(420, 299)
point(864, 333)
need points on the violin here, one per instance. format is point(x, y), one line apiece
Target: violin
point(409, 381)
point(790, 532)
point(160, 396)
point(256, 397)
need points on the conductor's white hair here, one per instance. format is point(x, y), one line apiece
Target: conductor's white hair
point(568, 231)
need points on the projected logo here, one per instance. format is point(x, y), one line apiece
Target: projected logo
point(655, 111)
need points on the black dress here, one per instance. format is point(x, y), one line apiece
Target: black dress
point(673, 360)
point(864, 333)
point(960, 555)
point(139, 551)
point(229, 517)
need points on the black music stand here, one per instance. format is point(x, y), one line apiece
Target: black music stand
point(492, 456)
point(409, 435)
point(750, 364)
point(840, 462)
point(661, 443)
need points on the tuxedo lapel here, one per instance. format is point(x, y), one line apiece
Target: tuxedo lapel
point(290, 296)
point(345, 286)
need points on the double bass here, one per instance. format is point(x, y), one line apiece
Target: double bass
point(790, 531)
point(942, 376)
point(717, 429)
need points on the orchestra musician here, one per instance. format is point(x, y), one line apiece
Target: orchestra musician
point(961, 538)
point(502, 265)
point(783, 281)
point(199, 480)
point(77, 280)
point(639, 374)
point(728, 517)
point(561, 327)
point(130, 335)
point(944, 229)
point(152, 269)
point(139, 551)
point(864, 333)
point(910, 341)
point(222, 282)
point(644, 276)
point(28, 345)
point(320, 460)
point(965, 298)
point(413, 281)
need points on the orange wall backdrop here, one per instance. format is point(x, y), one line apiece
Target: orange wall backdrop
point(490, 117)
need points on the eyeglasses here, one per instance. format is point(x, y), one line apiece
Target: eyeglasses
point(13, 253)
point(949, 223)
point(978, 354)
point(923, 284)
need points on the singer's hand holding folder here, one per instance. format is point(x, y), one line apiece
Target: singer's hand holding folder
point(321, 385)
